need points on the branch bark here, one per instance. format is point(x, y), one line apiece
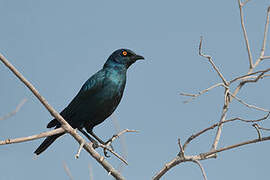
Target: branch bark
point(87, 146)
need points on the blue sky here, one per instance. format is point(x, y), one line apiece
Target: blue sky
point(58, 45)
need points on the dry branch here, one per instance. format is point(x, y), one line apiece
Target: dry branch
point(250, 77)
point(245, 33)
point(87, 146)
point(33, 137)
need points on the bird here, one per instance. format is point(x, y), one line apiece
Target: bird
point(97, 99)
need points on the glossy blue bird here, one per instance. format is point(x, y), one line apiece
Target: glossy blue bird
point(98, 97)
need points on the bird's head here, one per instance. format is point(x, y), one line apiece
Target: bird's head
point(122, 57)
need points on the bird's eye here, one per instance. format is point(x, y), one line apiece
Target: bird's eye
point(124, 53)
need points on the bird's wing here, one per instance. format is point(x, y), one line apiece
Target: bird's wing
point(90, 87)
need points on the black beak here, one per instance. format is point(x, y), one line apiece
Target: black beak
point(137, 57)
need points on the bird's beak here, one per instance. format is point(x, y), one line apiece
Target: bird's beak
point(137, 57)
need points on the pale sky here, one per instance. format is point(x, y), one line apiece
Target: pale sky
point(58, 45)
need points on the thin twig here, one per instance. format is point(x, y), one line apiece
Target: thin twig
point(262, 128)
point(265, 33)
point(123, 143)
point(201, 167)
point(193, 96)
point(114, 153)
point(247, 75)
point(235, 146)
point(262, 57)
point(211, 62)
point(203, 156)
point(257, 129)
point(15, 111)
point(249, 105)
point(114, 137)
point(245, 34)
point(248, 121)
point(265, 57)
point(222, 119)
point(193, 136)
point(181, 153)
point(33, 137)
point(79, 150)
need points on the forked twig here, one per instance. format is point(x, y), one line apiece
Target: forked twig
point(193, 96)
point(114, 137)
point(211, 62)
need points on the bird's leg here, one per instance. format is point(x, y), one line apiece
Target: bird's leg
point(95, 144)
point(100, 141)
point(96, 137)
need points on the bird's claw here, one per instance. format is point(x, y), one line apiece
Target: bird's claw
point(95, 144)
point(106, 153)
point(105, 150)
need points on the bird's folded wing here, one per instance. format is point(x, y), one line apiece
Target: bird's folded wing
point(90, 87)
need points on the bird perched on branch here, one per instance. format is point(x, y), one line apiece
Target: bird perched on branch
point(98, 97)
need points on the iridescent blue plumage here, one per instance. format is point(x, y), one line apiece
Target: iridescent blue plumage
point(98, 97)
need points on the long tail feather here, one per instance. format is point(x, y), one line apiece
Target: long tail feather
point(46, 143)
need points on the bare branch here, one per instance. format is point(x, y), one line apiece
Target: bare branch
point(203, 156)
point(15, 111)
point(235, 146)
point(265, 57)
point(193, 96)
point(79, 150)
point(181, 153)
point(201, 167)
point(114, 137)
point(245, 33)
point(262, 128)
point(258, 131)
point(114, 153)
point(211, 62)
point(262, 57)
point(123, 144)
point(247, 75)
point(249, 105)
point(33, 137)
point(248, 78)
point(193, 136)
point(222, 118)
point(87, 146)
point(248, 121)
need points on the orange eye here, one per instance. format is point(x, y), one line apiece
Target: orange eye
point(124, 53)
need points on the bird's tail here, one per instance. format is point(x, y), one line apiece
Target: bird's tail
point(46, 143)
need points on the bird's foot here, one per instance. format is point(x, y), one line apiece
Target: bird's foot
point(105, 149)
point(95, 144)
point(109, 141)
